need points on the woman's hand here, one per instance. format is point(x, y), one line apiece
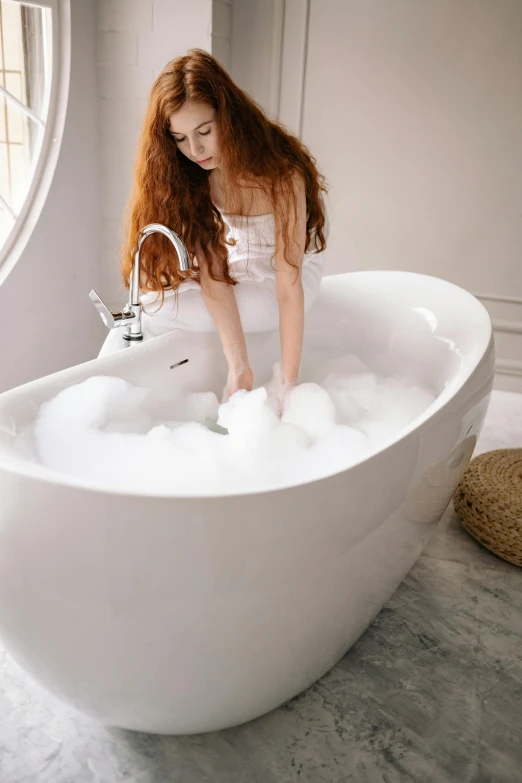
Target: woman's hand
point(277, 391)
point(238, 379)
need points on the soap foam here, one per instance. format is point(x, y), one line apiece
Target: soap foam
point(107, 431)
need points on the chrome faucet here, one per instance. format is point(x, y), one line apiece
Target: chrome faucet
point(130, 316)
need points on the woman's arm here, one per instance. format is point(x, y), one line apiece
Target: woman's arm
point(220, 300)
point(289, 286)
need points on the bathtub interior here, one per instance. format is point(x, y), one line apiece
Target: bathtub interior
point(395, 323)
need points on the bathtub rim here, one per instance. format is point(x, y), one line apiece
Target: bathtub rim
point(28, 469)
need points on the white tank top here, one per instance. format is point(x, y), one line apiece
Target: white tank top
point(251, 259)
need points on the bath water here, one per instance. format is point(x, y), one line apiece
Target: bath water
point(114, 434)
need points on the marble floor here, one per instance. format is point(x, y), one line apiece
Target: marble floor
point(431, 692)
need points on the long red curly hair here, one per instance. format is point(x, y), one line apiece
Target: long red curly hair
point(171, 189)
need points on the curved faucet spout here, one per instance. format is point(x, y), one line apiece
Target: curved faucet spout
point(130, 317)
point(181, 250)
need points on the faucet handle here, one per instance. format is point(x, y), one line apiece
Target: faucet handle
point(110, 319)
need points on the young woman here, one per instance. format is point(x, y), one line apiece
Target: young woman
point(246, 198)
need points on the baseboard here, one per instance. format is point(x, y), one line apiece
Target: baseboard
point(506, 315)
point(508, 375)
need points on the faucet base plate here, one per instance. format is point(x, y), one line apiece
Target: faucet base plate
point(133, 338)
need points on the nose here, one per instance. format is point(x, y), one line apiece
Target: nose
point(196, 149)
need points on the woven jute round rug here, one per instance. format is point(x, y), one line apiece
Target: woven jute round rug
point(488, 501)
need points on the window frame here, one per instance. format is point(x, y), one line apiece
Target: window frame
point(39, 187)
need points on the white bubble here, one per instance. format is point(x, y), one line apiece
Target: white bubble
point(247, 418)
point(341, 447)
point(114, 434)
point(201, 406)
point(310, 407)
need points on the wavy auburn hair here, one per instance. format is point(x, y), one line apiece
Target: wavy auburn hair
point(173, 190)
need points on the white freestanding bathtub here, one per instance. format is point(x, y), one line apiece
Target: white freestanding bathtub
point(185, 614)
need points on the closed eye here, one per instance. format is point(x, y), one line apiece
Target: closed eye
point(200, 133)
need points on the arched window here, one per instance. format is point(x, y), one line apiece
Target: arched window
point(31, 58)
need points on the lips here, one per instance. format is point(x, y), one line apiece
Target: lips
point(205, 160)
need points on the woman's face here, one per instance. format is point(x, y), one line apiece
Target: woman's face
point(194, 128)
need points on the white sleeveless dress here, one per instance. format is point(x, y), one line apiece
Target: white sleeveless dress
point(251, 264)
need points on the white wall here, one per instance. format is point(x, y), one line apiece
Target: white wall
point(414, 113)
point(257, 28)
point(47, 321)
point(136, 39)
point(222, 32)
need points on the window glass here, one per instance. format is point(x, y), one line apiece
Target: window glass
point(25, 82)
